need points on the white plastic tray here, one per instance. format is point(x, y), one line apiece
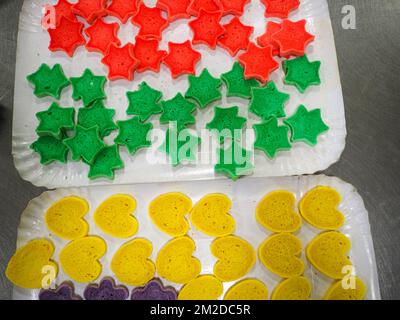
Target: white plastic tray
point(302, 159)
point(245, 195)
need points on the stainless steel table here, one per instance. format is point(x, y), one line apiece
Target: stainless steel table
point(370, 71)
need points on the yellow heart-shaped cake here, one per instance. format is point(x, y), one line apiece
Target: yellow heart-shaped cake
point(80, 258)
point(235, 257)
point(65, 218)
point(205, 287)
point(319, 208)
point(26, 267)
point(248, 289)
point(168, 213)
point(327, 252)
point(114, 216)
point(275, 212)
point(211, 215)
point(338, 292)
point(280, 254)
point(175, 261)
point(131, 263)
point(296, 288)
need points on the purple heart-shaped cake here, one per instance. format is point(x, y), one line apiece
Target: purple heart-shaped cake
point(65, 291)
point(106, 290)
point(154, 290)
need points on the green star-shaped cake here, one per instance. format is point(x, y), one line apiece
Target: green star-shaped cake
point(48, 81)
point(271, 138)
point(268, 102)
point(50, 149)
point(180, 145)
point(306, 125)
point(133, 134)
point(302, 73)
point(86, 144)
point(55, 120)
point(236, 83)
point(234, 162)
point(106, 162)
point(227, 123)
point(88, 87)
point(204, 89)
point(178, 110)
point(97, 115)
point(144, 102)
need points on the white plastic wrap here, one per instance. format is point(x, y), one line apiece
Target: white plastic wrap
point(302, 159)
point(245, 195)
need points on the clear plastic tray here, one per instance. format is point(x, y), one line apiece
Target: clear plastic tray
point(245, 195)
point(302, 159)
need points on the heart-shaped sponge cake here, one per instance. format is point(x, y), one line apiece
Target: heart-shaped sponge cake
point(280, 254)
point(275, 212)
point(168, 213)
point(338, 292)
point(131, 263)
point(319, 208)
point(65, 218)
point(211, 215)
point(296, 288)
point(114, 216)
point(235, 257)
point(175, 261)
point(205, 287)
point(80, 258)
point(248, 289)
point(327, 252)
point(25, 268)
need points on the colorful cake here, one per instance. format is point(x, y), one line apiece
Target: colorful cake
point(211, 215)
point(154, 290)
point(327, 252)
point(114, 216)
point(280, 254)
point(276, 212)
point(66, 218)
point(175, 261)
point(247, 289)
point(131, 264)
point(236, 257)
point(25, 268)
point(205, 287)
point(168, 213)
point(80, 258)
point(295, 288)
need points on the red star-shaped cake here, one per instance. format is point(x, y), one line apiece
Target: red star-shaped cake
point(121, 62)
point(148, 54)
point(181, 58)
point(176, 9)
point(208, 5)
point(292, 38)
point(63, 8)
point(67, 36)
point(101, 36)
point(235, 7)
point(236, 36)
point(258, 62)
point(123, 9)
point(266, 39)
point(206, 28)
point(90, 10)
point(280, 8)
point(150, 22)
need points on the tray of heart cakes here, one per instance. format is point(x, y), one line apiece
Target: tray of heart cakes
point(288, 238)
point(176, 136)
